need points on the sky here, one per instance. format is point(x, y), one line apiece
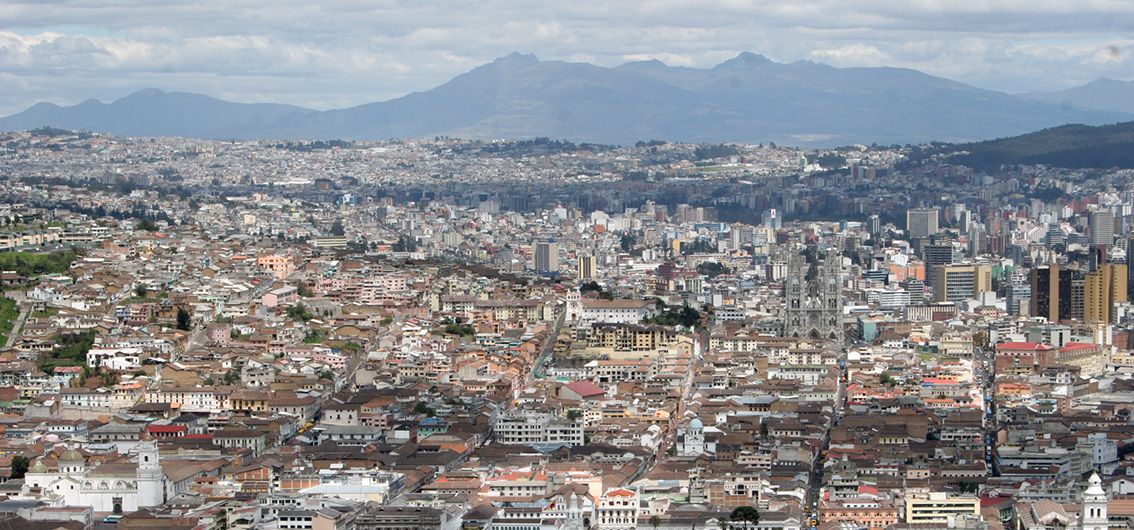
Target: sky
point(334, 53)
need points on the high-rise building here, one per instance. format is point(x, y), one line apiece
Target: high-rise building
point(1054, 236)
point(1045, 292)
point(546, 257)
point(1104, 288)
point(956, 283)
point(1072, 294)
point(916, 288)
point(921, 222)
point(1019, 293)
point(875, 225)
point(976, 239)
point(1100, 227)
point(588, 266)
point(772, 219)
point(938, 254)
point(1130, 268)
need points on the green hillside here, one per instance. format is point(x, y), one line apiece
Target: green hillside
point(1068, 146)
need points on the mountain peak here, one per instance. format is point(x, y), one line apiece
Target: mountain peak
point(147, 93)
point(517, 59)
point(746, 59)
point(1107, 81)
point(647, 63)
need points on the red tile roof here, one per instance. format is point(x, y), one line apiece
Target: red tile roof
point(586, 389)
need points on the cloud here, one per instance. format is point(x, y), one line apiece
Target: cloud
point(334, 53)
point(852, 55)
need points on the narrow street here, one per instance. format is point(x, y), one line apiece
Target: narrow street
point(17, 325)
point(538, 370)
point(815, 485)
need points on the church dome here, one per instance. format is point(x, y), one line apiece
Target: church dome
point(71, 455)
point(39, 467)
point(696, 424)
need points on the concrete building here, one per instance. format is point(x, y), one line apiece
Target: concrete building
point(921, 222)
point(588, 268)
point(1100, 227)
point(957, 283)
point(1104, 288)
point(525, 426)
point(546, 257)
point(938, 507)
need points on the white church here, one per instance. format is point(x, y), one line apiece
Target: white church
point(1044, 515)
point(111, 487)
point(1094, 516)
point(692, 439)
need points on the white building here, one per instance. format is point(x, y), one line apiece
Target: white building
point(112, 487)
point(1094, 506)
point(617, 510)
point(691, 442)
point(616, 311)
point(537, 427)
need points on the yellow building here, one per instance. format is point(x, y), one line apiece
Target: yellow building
point(633, 342)
point(1103, 289)
point(938, 507)
point(957, 283)
point(588, 267)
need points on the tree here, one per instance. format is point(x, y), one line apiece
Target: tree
point(655, 521)
point(141, 290)
point(745, 515)
point(405, 244)
point(303, 290)
point(20, 464)
point(712, 269)
point(627, 242)
point(183, 319)
point(299, 313)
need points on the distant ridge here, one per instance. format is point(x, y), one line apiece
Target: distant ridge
point(152, 112)
point(748, 98)
point(1101, 94)
point(1067, 146)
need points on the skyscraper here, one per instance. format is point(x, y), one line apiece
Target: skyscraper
point(546, 257)
point(1019, 293)
point(939, 254)
point(875, 225)
point(1045, 292)
point(588, 265)
point(921, 222)
point(1104, 288)
point(1100, 226)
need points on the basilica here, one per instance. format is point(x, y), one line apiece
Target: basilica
point(813, 296)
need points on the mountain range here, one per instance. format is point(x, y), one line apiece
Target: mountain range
point(745, 99)
point(1101, 94)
